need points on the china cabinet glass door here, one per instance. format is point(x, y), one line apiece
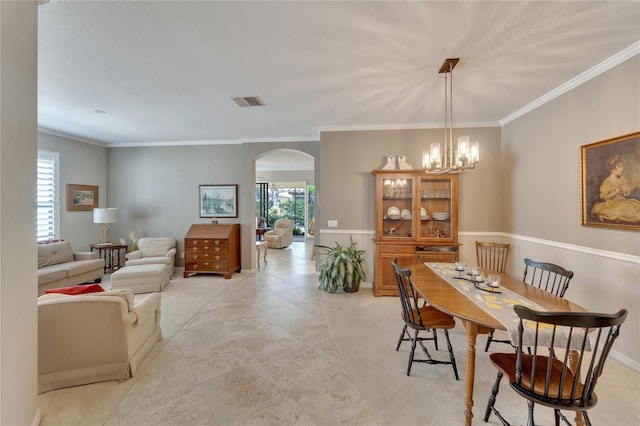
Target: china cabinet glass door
point(437, 210)
point(397, 206)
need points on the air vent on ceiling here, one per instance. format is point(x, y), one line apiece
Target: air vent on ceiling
point(249, 101)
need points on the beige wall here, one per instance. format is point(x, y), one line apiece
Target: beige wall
point(156, 189)
point(80, 164)
point(541, 196)
point(18, 282)
point(347, 159)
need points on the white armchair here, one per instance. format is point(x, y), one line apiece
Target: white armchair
point(153, 250)
point(281, 235)
point(94, 337)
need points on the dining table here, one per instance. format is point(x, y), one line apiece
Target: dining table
point(442, 295)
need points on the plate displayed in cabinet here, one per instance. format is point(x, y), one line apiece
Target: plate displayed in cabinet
point(405, 214)
point(393, 212)
point(440, 216)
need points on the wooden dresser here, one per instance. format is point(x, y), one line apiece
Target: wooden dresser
point(212, 249)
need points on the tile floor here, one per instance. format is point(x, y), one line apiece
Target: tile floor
point(268, 348)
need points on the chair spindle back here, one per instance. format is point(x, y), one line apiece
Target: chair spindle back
point(547, 276)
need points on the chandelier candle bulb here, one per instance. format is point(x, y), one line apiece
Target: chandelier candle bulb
point(463, 147)
point(425, 160)
point(474, 154)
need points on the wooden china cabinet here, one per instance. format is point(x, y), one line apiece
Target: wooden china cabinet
point(412, 208)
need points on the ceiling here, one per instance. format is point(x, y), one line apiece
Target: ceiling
point(162, 72)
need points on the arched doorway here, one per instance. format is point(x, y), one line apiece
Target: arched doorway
point(285, 188)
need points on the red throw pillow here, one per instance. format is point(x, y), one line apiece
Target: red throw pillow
point(77, 289)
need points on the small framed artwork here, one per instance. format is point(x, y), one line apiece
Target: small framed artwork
point(610, 172)
point(81, 198)
point(218, 201)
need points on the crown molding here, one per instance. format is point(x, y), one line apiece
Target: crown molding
point(410, 126)
point(70, 136)
point(593, 72)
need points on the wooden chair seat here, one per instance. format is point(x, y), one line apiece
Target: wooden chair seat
point(432, 318)
point(506, 363)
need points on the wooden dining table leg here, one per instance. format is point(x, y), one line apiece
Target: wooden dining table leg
point(472, 333)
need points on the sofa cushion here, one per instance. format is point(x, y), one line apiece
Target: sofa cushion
point(77, 289)
point(50, 274)
point(81, 266)
point(54, 253)
point(150, 261)
point(156, 246)
point(125, 294)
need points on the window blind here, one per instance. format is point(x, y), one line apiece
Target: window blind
point(47, 196)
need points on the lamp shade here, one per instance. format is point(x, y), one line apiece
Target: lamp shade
point(108, 215)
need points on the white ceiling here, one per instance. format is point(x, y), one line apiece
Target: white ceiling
point(165, 72)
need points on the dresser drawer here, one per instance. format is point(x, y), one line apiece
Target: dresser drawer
point(206, 241)
point(216, 257)
point(206, 266)
point(206, 249)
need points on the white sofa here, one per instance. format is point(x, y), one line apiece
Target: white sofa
point(94, 337)
point(60, 266)
point(153, 250)
point(281, 235)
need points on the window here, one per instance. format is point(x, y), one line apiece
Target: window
point(47, 196)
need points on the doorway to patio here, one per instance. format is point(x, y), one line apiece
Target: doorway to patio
point(285, 190)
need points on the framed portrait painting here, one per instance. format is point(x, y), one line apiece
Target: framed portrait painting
point(81, 197)
point(610, 172)
point(218, 201)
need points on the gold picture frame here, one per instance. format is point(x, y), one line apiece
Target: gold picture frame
point(81, 198)
point(610, 181)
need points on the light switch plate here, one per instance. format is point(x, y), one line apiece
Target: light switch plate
point(332, 224)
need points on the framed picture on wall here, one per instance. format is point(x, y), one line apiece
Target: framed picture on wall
point(610, 172)
point(81, 197)
point(218, 201)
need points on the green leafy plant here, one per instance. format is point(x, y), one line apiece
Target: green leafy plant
point(341, 267)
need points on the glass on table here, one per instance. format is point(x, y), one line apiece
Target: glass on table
point(493, 280)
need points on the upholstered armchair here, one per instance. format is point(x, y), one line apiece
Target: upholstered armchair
point(94, 337)
point(281, 235)
point(153, 250)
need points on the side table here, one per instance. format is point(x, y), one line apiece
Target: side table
point(261, 246)
point(260, 233)
point(110, 252)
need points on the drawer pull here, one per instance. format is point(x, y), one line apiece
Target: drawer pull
point(206, 247)
point(217, 249)
point(195, 256)
point(217, 266)
point(217, 257)
point(216, 242)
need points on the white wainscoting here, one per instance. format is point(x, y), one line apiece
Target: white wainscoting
point(603, 281)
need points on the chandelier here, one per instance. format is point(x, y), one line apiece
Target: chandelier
point(451, 159)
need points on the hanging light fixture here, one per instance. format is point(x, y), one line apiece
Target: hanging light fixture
point(466, 154)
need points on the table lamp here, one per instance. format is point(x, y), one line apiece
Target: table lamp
point(104, 218)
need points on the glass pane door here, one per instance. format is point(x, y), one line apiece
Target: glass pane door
point(435, 208)
point(397, 205)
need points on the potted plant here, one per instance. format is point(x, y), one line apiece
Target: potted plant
point(341, 266)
